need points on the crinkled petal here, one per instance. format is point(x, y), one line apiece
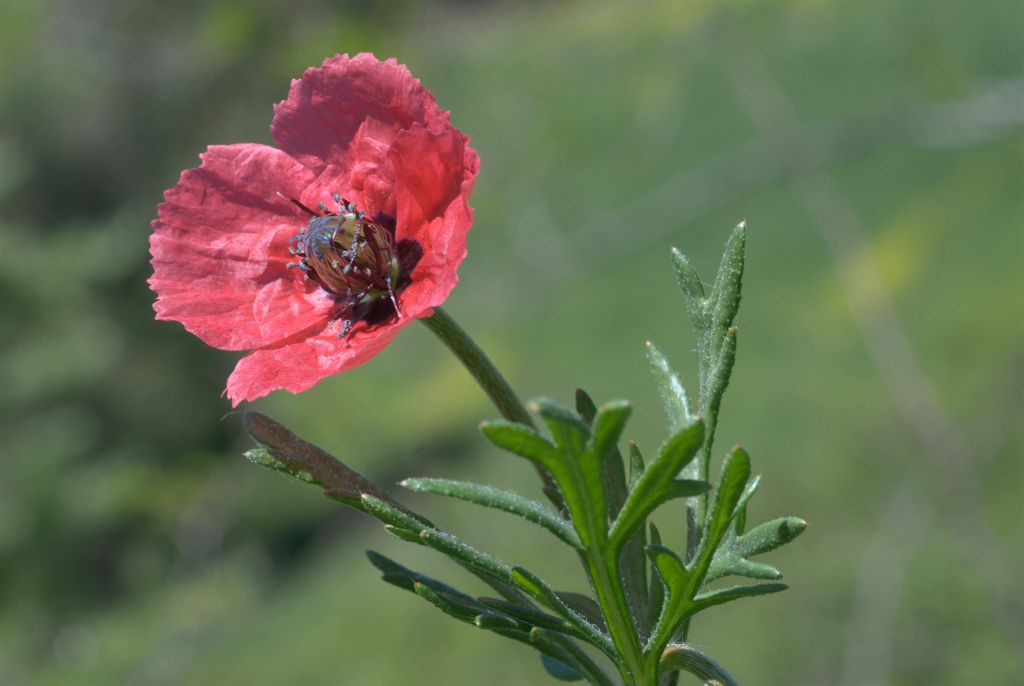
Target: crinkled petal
point(368, 178)
point(318, 121)
point(220, 250)
point(300, 365)
point(434, 175)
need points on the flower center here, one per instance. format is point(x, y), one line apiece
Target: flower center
point(355, 260)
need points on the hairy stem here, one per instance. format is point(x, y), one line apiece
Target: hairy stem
point(479, 365)
point(487, 376)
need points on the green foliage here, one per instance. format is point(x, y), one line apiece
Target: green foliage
point(642, 602)
point(508, 501)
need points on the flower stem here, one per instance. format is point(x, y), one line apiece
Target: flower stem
point(479, 365)
point(487, 376)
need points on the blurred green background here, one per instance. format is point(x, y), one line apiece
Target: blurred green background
point(876, 150)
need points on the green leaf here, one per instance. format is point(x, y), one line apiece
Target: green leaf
point(567, 428)
point(456, 604)
point(496, 622)
point(770, 535)
point(586, 606)
point(741, 506)
point(585, 406)
point(656, 597)
point(568, 653)
point(607, 427)
point(731, 557)
point(725, 595)
point(506, 501)
point(532, 615)
point(636, 464)
point(671, 389)
point(264, 458)
point(722, 371)
point(523, 441)
point(403, 577)
point(403, 534)
point(735, 473)
point(560, 670)
point(485, 616)
point(578, 471)
point(670, 568)
point(387, 512)
point(657, 483)
point(475, 560)
point(542, 593)
point(682, 656)
point(691, 286)
point(724, 302)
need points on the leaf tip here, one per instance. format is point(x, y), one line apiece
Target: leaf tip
point(794, 526)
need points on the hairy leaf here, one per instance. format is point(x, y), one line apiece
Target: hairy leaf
point(657, 483)
point(682, 656)
point(671, 390)
point(507, 501)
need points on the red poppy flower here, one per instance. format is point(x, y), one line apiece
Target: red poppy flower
point(314, 254)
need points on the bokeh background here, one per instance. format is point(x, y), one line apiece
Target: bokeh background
point(875, 149)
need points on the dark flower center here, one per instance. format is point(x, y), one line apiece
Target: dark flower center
point(356, 260)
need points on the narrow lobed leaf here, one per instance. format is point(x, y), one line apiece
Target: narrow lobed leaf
point(585, 406)
point(608, 427)
point(636, 464)
point(567, 428)
point(741, 506)
point(401, 576)
point(656, 484)
point(585, 606)
point(523, 441)
point(533, 586)
point(530, 615)
point(477, 561)
point(682, 656)
point(692, 288)
point(473, 611)
point(725, 595)
point(735, 474)
point(387, 512)
point(670, 568)
point(724, 302)
point(401, 534)
point(506, 501)
point(494, 622)
point(264, 458)
point(656, 597)
point(560, 670)
point(457, 605)
point(722, 372)
point(670, 388)
point(770, 535)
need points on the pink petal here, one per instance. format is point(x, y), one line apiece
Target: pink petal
point(220, 249)
point(318, 121)
point(302, 364)
point(434, 175)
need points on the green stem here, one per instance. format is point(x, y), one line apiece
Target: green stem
point(479, 365)
point(487, 376)
point(612, 599)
